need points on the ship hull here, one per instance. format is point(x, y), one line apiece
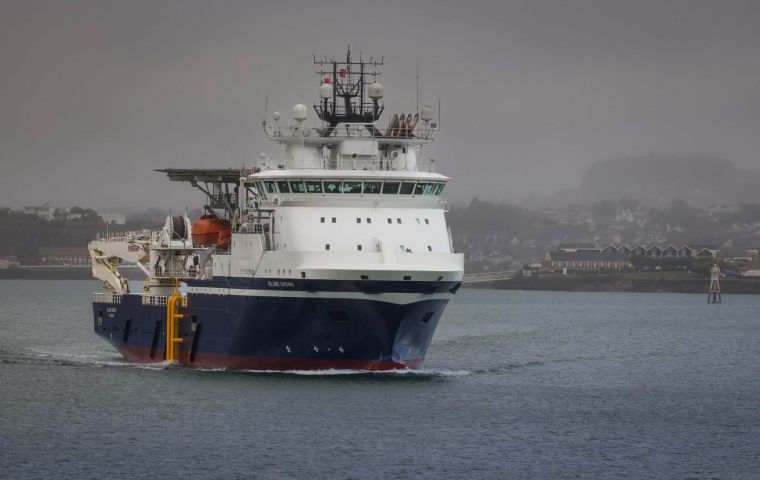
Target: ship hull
point(275, 325)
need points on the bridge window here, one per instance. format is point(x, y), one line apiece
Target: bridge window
point(313, 186)
point(406, 188)
point(332, 186)
point(421, 187)
point(283, 186)
point(391, 187)
point(351, 187)
point(372, 187)
point(297, 186)
point(439, 188)
point(270, 187)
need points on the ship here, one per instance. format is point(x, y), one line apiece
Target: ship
point(335, 254)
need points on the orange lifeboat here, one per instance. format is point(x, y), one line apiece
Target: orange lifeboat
point(211, 230)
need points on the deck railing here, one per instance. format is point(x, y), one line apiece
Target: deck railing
point(108, 297)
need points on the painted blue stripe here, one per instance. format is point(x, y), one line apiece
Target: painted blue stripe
point(314, 285)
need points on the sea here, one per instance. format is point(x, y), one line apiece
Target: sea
point(515, 385)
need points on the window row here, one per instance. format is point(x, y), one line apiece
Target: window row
point(369, 220)
point(351, 186)
point(403, 249)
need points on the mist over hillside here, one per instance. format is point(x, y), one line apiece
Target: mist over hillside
point(658, 180)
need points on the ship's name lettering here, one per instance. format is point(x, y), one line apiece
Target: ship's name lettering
point(280, 284)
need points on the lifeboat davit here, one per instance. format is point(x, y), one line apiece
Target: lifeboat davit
point(211, 230)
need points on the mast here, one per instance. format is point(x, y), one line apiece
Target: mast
point(348, 96)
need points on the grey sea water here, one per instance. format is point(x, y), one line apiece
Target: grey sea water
point(516, 385)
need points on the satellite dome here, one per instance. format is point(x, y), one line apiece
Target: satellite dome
point(426, 113)
point(325, 90)
point(375, 91)
point(299, 112)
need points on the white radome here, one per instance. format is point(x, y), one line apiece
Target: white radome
point(325, 90)
point(299, 112)
point(426, 113)
point(375, 91)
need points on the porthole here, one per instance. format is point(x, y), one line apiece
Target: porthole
point(359, 247)
point(358, 220)
point(327, 246)
point(369, 220)
point(390, 221)
point(334, 220)
point(322, 220)
point(398, 220)
point(430, 249)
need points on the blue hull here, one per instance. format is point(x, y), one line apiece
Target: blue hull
point(263, 327)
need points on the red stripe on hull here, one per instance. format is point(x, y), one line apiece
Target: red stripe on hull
point(243, 362)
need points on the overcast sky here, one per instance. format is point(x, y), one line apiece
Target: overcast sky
point(96, 94)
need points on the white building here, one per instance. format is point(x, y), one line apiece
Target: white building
point(113, 218)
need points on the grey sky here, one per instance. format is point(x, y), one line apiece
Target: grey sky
point(95, 94)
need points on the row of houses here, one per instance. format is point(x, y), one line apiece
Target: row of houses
point(49, 212)
point(586, 257)
point(651, 251)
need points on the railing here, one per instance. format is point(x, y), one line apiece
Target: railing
point(351, 130)
point(144, 235)
point(154, 300)
point(108, 297)
point(159, 272)
point(160, 300)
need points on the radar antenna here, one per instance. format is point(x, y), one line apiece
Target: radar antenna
point(346, 94)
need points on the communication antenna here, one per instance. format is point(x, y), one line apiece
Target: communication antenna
point(417, 107)
point(266, 108)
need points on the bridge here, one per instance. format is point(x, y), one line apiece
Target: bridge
point(488, 276)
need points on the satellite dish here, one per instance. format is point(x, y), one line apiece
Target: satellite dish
point(299, 112)
point(426, 113)
point(375, 91)
point(325, 90)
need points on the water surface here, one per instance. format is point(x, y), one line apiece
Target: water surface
point(515, 385)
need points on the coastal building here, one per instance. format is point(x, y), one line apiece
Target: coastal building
point(586, 261)
point(46, 212)
point(113, 218)
point(668, 250)
point(64, 256)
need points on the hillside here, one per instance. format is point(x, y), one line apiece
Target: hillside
point(657, 180)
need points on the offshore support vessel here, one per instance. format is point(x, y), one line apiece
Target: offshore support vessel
point(334, 256)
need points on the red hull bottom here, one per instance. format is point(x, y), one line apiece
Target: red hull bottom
point(240, 362)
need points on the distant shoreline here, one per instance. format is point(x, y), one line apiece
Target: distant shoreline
point(621, 283)
point(568, 283)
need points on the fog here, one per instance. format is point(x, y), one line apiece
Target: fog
point(94, 95)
